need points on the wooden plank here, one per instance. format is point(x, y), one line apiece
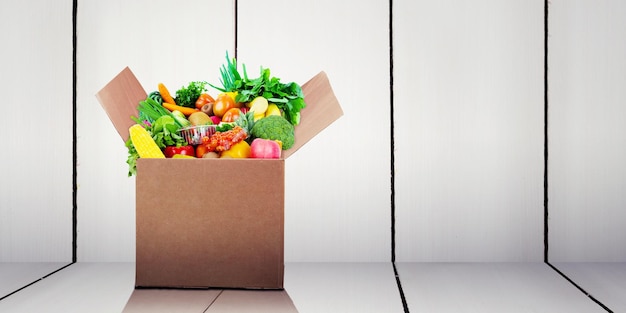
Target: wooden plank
point(490, 287)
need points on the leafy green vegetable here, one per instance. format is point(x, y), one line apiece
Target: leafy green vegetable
point(231, 80)
point(223, 127)
point(288, 97)
point(132, 158)
point(150, 110)
point(164, 132)
point(180, 119)
point(187, 96)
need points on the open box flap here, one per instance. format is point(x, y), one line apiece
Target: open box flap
point(120, 98)
point(322, 109)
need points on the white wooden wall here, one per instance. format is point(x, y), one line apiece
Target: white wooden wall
point(161, 41)
point(587, 131)
point(468, 100)
point(338, 185)
point(469, 130)
point(36, 167)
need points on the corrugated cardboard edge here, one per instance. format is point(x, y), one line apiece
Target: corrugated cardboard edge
point(322, 109)
point(120, 98)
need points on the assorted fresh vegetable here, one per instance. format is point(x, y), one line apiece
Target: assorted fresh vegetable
point(247, 118)
point(288, 97)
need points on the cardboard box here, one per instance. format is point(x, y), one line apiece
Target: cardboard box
point(212, 222)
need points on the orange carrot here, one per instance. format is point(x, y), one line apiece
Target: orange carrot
point(165, 94)
point(185, 110)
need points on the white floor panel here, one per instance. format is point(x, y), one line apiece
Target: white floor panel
point(14, 276)
point(490, 287)
point(79, 288)
point(604, 281)
point(313, 287)
point(343, 287)
point(364, 287)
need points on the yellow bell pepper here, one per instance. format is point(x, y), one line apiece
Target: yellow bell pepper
point(239, 150)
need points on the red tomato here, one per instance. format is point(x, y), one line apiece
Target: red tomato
point(231, 115)
point(223, 104)
point(184, 150)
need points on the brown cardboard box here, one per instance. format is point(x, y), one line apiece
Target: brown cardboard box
point(193, 229)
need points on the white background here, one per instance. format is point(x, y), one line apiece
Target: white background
point(36, 154)
point(468, 123)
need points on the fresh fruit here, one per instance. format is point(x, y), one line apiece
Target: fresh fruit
point(233, 95)
point(231, 115)
point(207, 109)
point(239, 150)
point(264, 149)
point(272, 109)
point(199, 118)
point(223, 104)
point(258, 105)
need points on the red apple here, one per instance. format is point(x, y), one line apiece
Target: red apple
point(264, 149)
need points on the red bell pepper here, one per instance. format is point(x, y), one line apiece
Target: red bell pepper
point(184, 150)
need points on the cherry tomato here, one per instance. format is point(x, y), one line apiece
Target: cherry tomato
point(231, 115)
point(223, 104)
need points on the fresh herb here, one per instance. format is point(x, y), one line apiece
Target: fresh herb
point(150, 110)
point(288, 97)
point(231, 80)
point(223, 127)
point(187, 96)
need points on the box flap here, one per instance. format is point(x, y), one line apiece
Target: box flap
point(120, 98)
point(322, 109)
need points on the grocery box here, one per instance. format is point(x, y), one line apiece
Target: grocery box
point(194, 227)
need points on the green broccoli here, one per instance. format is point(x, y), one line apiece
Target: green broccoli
point(274, 127)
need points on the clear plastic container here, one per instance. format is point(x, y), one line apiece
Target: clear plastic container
point(194, 134)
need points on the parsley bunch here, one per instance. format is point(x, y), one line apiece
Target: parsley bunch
point(187, 96)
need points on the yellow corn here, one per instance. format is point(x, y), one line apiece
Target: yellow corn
point(144, 144)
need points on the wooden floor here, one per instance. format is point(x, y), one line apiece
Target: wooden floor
point(337, 287)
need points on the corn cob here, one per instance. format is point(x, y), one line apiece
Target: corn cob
point(144, 144)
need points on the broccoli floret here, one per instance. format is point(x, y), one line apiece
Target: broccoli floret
point(274, 127)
